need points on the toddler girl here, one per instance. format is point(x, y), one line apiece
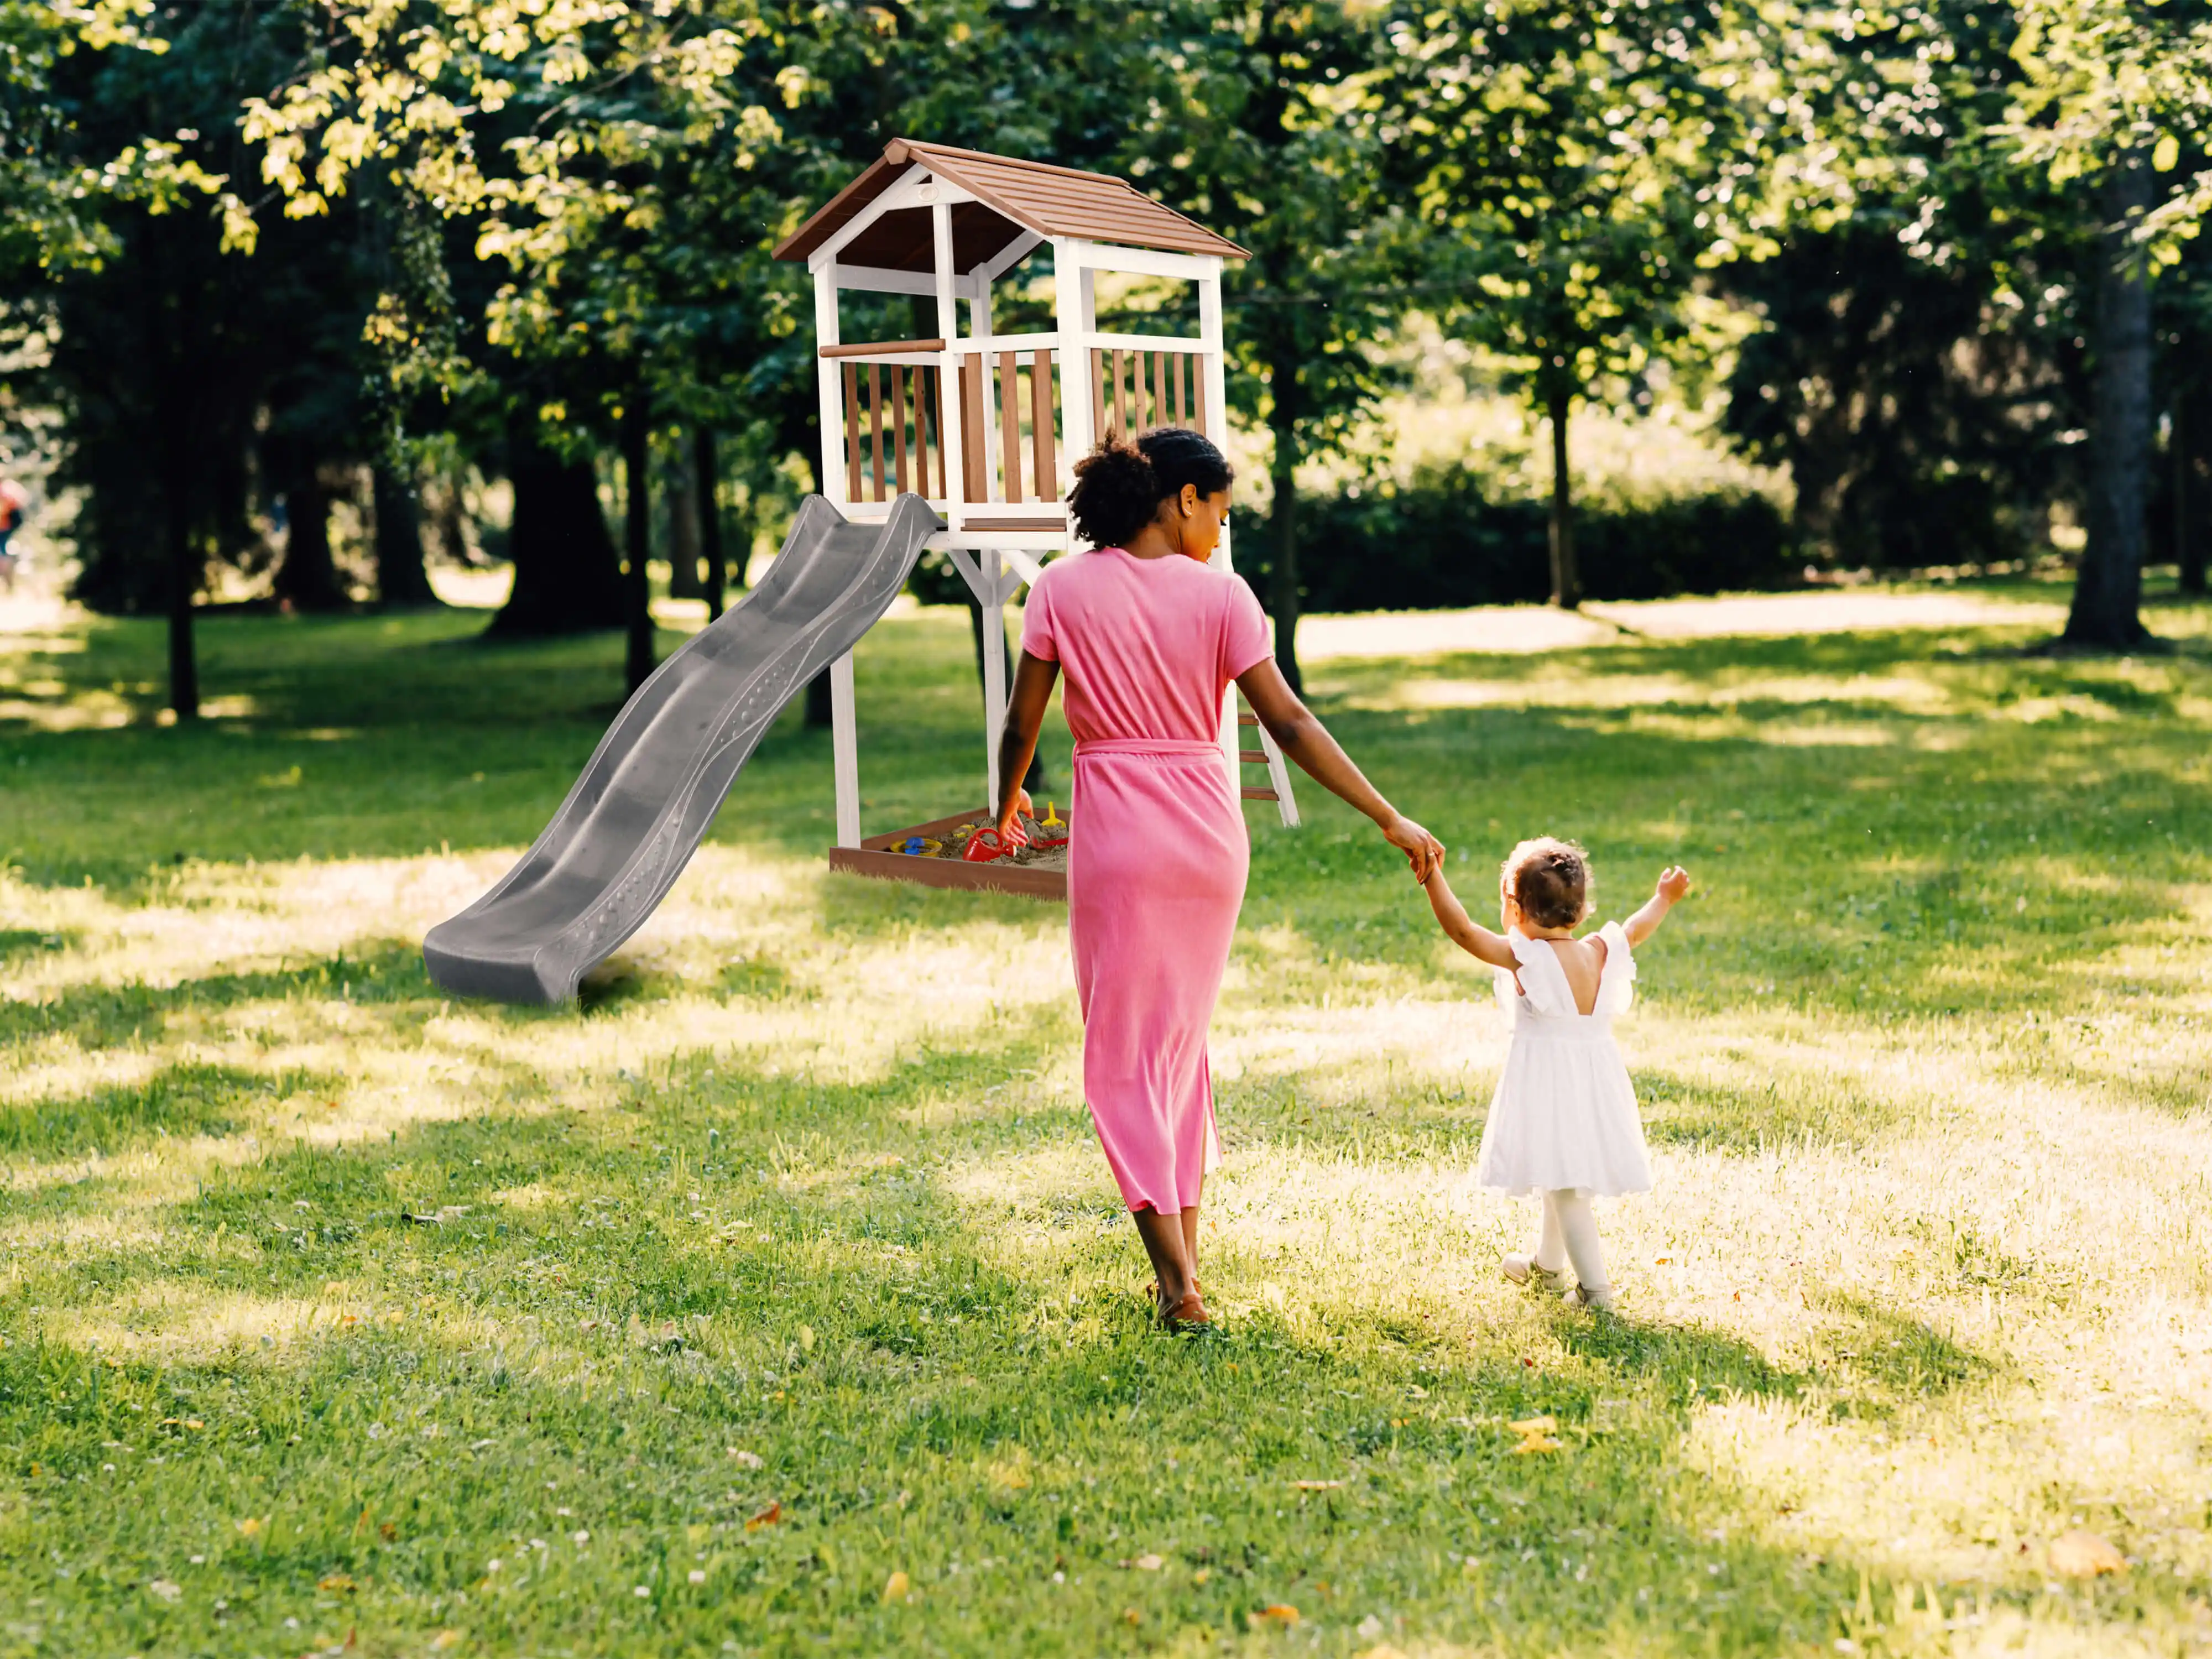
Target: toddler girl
point(1563, 1122)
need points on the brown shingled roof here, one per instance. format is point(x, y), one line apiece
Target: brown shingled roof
point(1012, 196)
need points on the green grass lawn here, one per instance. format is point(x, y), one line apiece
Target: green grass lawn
point(778, 1300)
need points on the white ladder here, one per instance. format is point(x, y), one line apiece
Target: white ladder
point(1278, 788)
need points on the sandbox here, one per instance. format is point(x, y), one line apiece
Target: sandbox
point(932, 853)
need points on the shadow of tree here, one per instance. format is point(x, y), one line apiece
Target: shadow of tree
point(97, 1016)
point(186, 1098)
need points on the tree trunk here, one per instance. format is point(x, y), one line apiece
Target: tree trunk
point(567, 577)
point(307, 579)
point(2188, 496)
point(1566, 576)
point(2108, 592)
point(401, 579)
point(637, 510)
point(184, 573)
point(681, 491)
point(706, 478)
point(1283, 517)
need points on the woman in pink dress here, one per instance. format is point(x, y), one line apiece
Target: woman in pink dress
point(1150, 638)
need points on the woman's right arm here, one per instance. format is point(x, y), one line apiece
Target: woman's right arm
point(1302, 735)
point(1017, 739)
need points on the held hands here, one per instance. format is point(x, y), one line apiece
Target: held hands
point(1422, 851)
point(1674, 884)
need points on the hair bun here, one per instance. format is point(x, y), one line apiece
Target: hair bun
point(1119, 485)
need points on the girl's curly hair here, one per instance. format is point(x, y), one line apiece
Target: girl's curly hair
point(1550, 879)
point(1120, 485)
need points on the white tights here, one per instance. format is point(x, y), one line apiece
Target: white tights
point(1568, 1234)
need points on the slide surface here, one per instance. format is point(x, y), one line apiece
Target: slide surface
point(634, 817)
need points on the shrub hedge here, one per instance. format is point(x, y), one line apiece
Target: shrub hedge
point(1441, 541)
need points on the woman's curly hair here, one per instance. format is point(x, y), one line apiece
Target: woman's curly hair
point(1119, 486)
point(1550, 879)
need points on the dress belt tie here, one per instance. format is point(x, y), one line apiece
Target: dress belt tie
point(1145, 747)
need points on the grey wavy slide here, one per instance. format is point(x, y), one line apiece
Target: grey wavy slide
point(652, 787)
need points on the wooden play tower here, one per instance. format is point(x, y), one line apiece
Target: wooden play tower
point(944, 225)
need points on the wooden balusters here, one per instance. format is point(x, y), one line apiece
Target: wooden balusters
point(1009, 424)
point(876, 421)
point(852, 432)
point(975, 465)
point(1042, 456)
point(898, 423)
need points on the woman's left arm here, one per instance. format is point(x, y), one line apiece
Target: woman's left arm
point(1034, 678)
point(1302, 735)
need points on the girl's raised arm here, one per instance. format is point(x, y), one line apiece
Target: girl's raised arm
point(1673, 883)
point(1470, 935)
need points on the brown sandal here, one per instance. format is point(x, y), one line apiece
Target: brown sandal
point(1187, 1315)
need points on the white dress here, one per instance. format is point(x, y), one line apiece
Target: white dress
point(1564, 1114)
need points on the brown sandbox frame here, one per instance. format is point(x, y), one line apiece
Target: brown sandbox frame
point(874, 858)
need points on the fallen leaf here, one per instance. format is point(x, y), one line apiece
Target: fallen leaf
point(1535, 1425)
point(251, 1526)
point(447, 1638)
point(1145, 1564)
point(896, 1586)
point(1129, 1615)
point(806, 1339)
point(338, 1583)
point(388, 1533)
point(2079, 1554)
point(1316, 1486)
point(1278, 1613)
point(746, 1460)
point(167, 1590)
point(1535, 1442)
point(767, 1517)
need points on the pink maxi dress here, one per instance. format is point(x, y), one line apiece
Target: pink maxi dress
point(1158, 855)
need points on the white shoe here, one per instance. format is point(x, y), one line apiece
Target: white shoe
point(1582, 1296)
point(1521, 1268)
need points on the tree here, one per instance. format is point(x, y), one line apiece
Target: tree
point(1577, 161)
point(2109, 95)
point(1268, 136)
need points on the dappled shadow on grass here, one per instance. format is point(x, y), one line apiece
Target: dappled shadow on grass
point(188, 1098)
point(19, 942)
point(908, 1402)
point(605, 1306)
point(1882, 1360)
point(96, 1015)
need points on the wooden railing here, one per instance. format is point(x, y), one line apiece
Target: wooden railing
point(1038, 403)
point(1009, 410)
point(912, 417)
point(1167, 389)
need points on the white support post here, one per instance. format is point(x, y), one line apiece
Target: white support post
point(1214, 383)
point(994, 673)
point(831, 387)
point(1071, 287)
point(845, 750)
point(979, 328)
point(948, 367)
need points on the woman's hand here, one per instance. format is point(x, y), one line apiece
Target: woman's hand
point(1009, 827)
point(1422, 851)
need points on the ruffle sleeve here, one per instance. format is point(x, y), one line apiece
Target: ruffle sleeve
point(1617, 985)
